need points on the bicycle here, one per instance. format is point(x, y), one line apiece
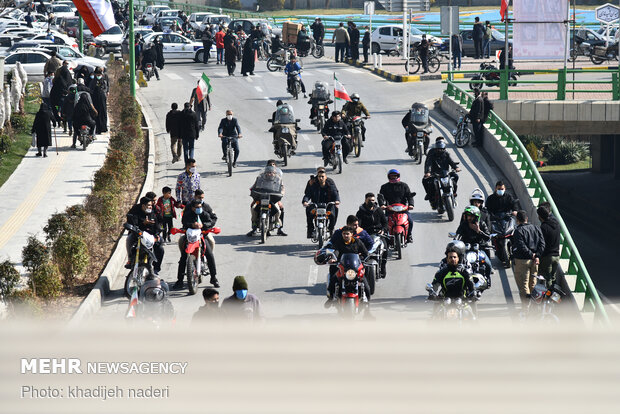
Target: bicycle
point(230, 154)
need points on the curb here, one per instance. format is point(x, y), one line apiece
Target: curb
point(112, 270)
point(403, 78)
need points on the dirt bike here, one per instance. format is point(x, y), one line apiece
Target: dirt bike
point(196, 265)
point(142, 263)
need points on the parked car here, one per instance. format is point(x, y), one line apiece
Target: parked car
point(71, 26)
point(59, 39)
point(27, 44)
point(67, 53)
point(177, 46)
point(32, 61)
point(166, 13)
point(151, 11)
point(61, 10)
point(167, 22)
point(113, 37)
point(6, 41)
point(215, 19)
point(195, 19)
point(246, 25)
point(386, 38)
point(588, 35)
point(498, 42)
point(67, 3)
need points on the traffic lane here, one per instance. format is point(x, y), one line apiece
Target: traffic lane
point(233, 252)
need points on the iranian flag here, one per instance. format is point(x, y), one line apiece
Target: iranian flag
point(97, 14)
point(339, 91)
point(503, 10)
point(204, 87)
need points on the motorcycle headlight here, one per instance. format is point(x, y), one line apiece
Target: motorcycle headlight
point(556, 297)
point(445, 181)
point(285, 130)
point(420, 134)
point(350, 274)
point(452, 313)
point(472, 257)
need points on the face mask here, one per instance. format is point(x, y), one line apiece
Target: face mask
point(199, 210)
point(192, 170)
point(98, 77)
point(148, 210)
point(229, 117)
point(500, 192)
point(92, 76)
point(394, 180)
point(241, 294)
point(370, 204)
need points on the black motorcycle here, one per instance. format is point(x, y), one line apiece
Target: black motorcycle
point(503, 227)
point(492, 78)
point(418, 132)
point(443, 197)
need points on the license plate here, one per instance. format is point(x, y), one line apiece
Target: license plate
point(321, 211)
point(264, 202)
point(420, 134)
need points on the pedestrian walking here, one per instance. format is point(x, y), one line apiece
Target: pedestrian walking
point(165, 208)
point(172, 127)
point(189, 129)
point(423, 53)
point(247, 63)
point(318, 31)
point(200, 107)
point(229, 130)
point(160, 61)
point(241, 305)
point(207, 42)
point(42, 129)
point(53, 63)
point(100, 102)
point(476, 115)
point(210, 311)
point(488, 36)
point(550, 257)
point(219, 45)
point(66, 111)
point(355, 42)
point(341, 38)
point(478, 36)
point(366, 43)
point(231, 52)
point(528, 246)
point(187, 183)
point(457, 50)
point(349, 28)
point(48, 82)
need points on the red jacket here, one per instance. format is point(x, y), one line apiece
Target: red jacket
point(159, 206)
point(219, 40)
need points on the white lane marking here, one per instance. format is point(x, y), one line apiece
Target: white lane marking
point(313, 274)
point(311, 148)
point(196, 74)
point(327, 71)
point(258, 88)
point(274, 73)
point(173, 76)
point(247, 78)
point(352, 70)
point(305, 137)
point(221, 74)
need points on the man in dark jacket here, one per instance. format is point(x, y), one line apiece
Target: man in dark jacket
point(371, 216)
point(501, 202)
point(550, 257)
point(325, 191)
point(43, 129)
point(488, 106)
point(528, 245)
point(454, 279)
point(149, 55)
point(318, 31)
point(354, 37)
point(241, 304)
point(478, 35)
point(366, 43)
point(472, 230)
point(229, 130)
point(173, 128)
point(436, 162)
point(207, 42)
point(143, 216)
point(397, 192)
point(345, 243)
point(196, 217)
point(335, 126)
point(189, 128)
point(200, 107)
point(476, 115)
point(423, 52)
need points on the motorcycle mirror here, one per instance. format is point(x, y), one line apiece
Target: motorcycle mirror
point(298, 120)
point(270, 120)
point(452, 234)
point(493, 235)
point(454, 132)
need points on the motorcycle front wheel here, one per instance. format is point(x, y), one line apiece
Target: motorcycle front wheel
point(473, 85)
point(597, 60)
point(284, 150)
point(418, 159)
point(339, 163)
point(192, 276)
point(131, 283)
point(348, 308)
point(370, 275)
point(99, 52)
point(463, 137)
point(320, 232)
point(357, 145)
point(272, 65)
point(318, 52)
point(263, 230)
point(449, 208)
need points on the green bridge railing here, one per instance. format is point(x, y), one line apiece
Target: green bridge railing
point(195, 8)
point(571, 261)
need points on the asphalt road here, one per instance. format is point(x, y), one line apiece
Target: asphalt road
point(282, 272)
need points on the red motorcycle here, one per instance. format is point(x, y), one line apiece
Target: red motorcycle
point(398, 227)
point(196, 264)
point(350, 286)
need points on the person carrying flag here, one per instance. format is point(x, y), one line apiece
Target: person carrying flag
point(201, 101)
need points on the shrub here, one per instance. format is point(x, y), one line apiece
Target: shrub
point(271, 4)
point(123, 163)
point(231, 4)
point(19, 122)
point(9, 279)
point(71, 256)
point(106, 179)
point(34, 254)
point(45, 281)
point(5, 143)
point(104, 206)
point(122, 140)
point(532, 149)
point(57, 225)
point(560, 152)
point(25, 303)
point(536, 139)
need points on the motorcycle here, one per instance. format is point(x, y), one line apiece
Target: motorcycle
point(581, 49)
point(266, 215)
point(443, 197)
point(335, 152)
point(355, 126)
point(457, 309)
point(398, 227)
point(491, 78)
point(277, 62)
point(375, 263)
point(602, 54)
point(418, 132)
point(294, 84)
point(462, 134)
point(350, 286)
point(148, 71)
point(196, 266)
point(152, 304)
point(84, 136)
point(503, 227)
point(322, 113)
point(475, 259)
point(543, 300)
point(284, 136)
point(321, 217)
point(142, 262)
point(316, 50)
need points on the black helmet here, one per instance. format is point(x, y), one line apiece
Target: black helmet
point(456, 246)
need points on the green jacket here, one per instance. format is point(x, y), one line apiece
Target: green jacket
point(354, 109)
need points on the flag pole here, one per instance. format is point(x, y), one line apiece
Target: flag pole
point(132, 53)
point(335, 106)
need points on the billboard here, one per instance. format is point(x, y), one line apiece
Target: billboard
point(539, 30)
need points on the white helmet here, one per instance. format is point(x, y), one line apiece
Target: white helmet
point(477, 194)
point(355, 97)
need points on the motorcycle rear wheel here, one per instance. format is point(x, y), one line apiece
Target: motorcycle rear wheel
point(192, 277)
point(318, 52)
point(597, 60)
point(272, 65)
point(418, 159)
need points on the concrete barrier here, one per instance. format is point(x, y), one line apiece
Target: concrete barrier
point(114, 268)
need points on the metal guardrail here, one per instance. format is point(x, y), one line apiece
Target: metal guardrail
point(561, 83)
point(195, 8)
point(538, 190)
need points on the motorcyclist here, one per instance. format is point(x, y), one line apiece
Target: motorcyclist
point(149, 55)
point(358, 232)
point(500, 201)
point(284, 115)
point(356, 108)
point(472, 231)
point(418, 114)
point(321, 190)
point(397, 192)
point(303, 42)
point(335, 126)
point(477, 199)
point(453, 278)
point(144, 217)
point(439, 160)
point(320, 94)
point(195, 217)
point(371, 217)
point(344, 243)
point(294, 66)
point(269, 181)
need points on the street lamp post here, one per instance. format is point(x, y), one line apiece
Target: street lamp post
point(132, 53)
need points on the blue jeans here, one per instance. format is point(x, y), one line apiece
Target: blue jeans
point(340, 50)
point(234, 144)
point(220, 55)
point(456, 59)
point(486, 49)
point(188, 149)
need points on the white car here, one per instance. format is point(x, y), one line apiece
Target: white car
point(167, 13)
point(33, 62)
point(386, 38)
point(177, 46)
point(195, 19)
point(72, 55)
point(215, 19)
point(59, 39)
point(62, 10)
point(113, 37)
point(151, 11)
point(67, 3)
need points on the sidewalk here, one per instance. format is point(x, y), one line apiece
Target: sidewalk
point(40, 187)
